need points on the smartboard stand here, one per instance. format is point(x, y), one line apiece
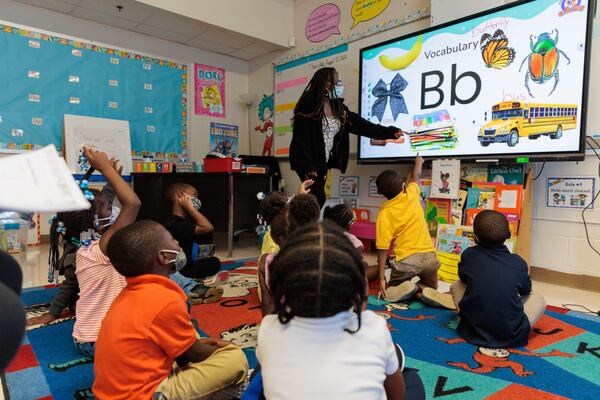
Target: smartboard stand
point(526, 222)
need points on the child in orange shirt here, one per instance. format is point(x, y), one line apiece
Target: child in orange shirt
point(148, 328)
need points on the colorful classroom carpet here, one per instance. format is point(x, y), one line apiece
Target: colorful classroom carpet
point(562, 360)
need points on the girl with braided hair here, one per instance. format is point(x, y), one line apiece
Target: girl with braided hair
point(321, 343)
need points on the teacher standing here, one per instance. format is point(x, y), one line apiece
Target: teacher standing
point(320, 127)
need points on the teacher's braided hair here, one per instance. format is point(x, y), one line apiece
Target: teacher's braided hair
point(316, 92)
point(317, 274)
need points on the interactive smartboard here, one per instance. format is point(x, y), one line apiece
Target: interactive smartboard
point(507, 83)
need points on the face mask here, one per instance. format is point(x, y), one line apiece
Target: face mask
point(111, 219)
point(179, 261)
point(338, 92)
point(195, 202)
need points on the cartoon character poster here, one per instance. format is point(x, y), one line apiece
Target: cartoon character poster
point(265, 114)
point(506, 83)
point(209, 83)
point(224, 139)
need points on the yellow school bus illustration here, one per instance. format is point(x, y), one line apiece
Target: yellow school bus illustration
point(512, 120)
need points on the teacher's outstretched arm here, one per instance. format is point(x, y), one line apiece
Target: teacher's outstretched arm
point(362, 127)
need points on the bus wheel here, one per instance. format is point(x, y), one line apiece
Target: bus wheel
point(558, 133)
point(513, 138)
point(534, 137)
point(484, 144)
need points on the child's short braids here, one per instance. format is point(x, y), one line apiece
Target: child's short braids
point(317, 274)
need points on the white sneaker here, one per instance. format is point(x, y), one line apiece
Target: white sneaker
point(403, 291)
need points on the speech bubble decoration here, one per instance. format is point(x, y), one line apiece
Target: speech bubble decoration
point(364, 10)
point(322, 23)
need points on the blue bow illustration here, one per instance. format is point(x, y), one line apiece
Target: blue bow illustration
point(382, 93)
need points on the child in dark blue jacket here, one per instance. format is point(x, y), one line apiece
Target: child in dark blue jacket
point(497, 308)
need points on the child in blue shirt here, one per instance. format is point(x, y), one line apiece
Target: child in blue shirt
point(496, 305)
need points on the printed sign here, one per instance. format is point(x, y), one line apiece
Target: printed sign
point(572, 192)
point(349, 186)
point(224, 139)
point(210, 90)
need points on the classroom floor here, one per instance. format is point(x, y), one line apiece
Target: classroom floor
point(34, 263)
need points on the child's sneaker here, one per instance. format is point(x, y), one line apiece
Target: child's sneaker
point(220, 279)
point(433, 298)
point(201, 294)
point(404, 291)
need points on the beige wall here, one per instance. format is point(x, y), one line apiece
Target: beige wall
point(269, 20)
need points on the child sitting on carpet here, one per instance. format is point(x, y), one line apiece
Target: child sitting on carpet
point(343, 216)
point(401, 220)
point(193, 231)
point(322, 344)
point(497, 308)
point(148, 327)
point(303, 209)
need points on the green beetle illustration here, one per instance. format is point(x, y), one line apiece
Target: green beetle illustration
point(543, 60)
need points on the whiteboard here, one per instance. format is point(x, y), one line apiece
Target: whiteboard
point(111, 136)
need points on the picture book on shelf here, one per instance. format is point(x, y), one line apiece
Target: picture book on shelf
point(438, 211)
point(463, 191)
point(425, 187)
point(513, 220)
point(454, 239)
point(474, 173)
point(506, 174)
point(445, 179)
point(509, 198)
point(486, 200)
point(472, 198)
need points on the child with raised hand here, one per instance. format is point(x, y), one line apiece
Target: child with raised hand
point(148, 328)
point(303, 209)
point(401, 220)
point(321, 343)
point(497, 308)
point(99, 282)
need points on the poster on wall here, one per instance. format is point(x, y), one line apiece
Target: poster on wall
point(265, 115)
point(209, 83)
point(224, 139)
point(349, 186)
point(571, 192)
point(445, 179)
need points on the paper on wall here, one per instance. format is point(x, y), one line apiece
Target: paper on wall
point(39, 181)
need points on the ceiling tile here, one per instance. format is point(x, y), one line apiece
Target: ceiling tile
point(53, 5)
point(227, 38)
point(260, 48)
point(70, 1)
point(176, 23)
point(162, 34)
point(104, 18)
point(244, 55)
point(132, 10)
point(209, 46)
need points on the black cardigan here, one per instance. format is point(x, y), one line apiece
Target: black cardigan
point(307, 150)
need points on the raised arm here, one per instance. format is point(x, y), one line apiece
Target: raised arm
point(360, 126)
point(203, 225)
point(415, 174)
point(129, 201)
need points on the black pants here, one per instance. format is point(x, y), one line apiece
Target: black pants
point(318, 187)
point(200, 269)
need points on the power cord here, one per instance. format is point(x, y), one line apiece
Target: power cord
point(540, 173)
point(587, 235)
point(587, 310)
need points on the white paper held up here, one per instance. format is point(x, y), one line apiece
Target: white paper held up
point(39, 181)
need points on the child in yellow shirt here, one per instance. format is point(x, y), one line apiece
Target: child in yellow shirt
point(401, 220)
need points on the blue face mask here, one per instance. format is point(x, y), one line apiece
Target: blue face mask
point(179, 261)
point(195, 202)
point(337, 92)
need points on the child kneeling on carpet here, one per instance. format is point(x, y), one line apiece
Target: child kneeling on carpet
point(401, 220)
point(497, 308)
point(303, 209)
point(343, 216)
point(148, 328)
point(322, 344)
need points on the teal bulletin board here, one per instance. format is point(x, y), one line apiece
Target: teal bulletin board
point(45, 76)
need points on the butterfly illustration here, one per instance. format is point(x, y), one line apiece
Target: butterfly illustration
point(495, 51)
